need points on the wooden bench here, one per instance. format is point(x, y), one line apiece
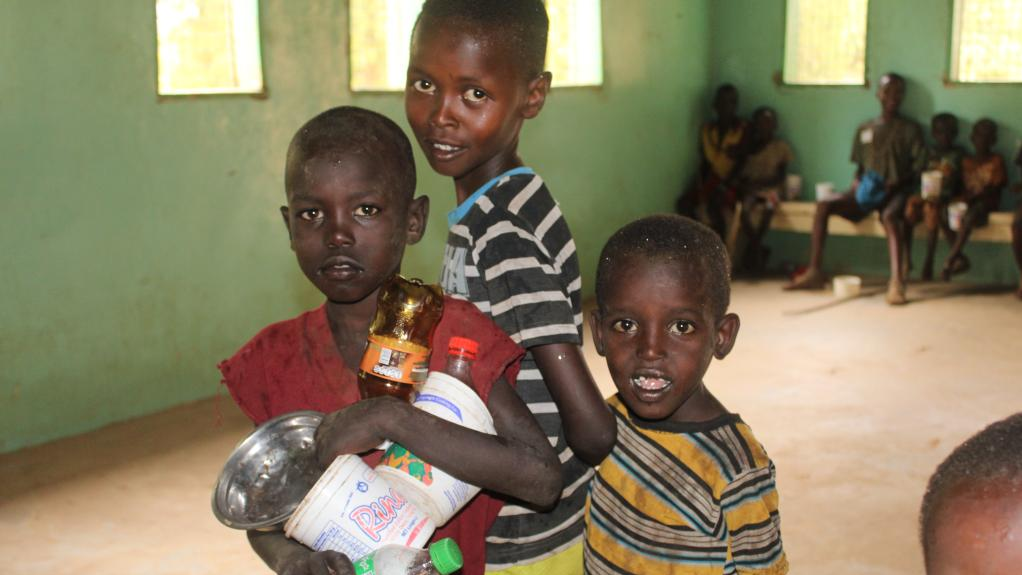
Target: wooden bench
point(798, 217)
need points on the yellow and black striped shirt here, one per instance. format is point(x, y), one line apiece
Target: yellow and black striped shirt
point(683, 498)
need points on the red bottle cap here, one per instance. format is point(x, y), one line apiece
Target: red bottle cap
point(463, 346)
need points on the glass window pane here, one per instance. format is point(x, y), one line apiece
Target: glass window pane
point(208, 47)
point(381, 31)
point(987, 43)
point(575, 44)
point(825, 42)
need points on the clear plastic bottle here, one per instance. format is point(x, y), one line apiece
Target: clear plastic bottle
point(396, 358)
point(441, 558)
point(461, 353)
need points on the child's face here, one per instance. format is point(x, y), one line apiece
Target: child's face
point(944, 134)
point(890, 93)
point(349, 226)
point(978, 530)
point(984, 136)
point(765, 127)
point(658, 332)
point(725, 104)
point(466, 100)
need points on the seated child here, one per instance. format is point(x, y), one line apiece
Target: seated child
point(760, 183)
point(971, 517)
point(983, 177)
point(946, 157)
point(889, 154)
point(687, 488)
point(350, 183)
point(720, 151)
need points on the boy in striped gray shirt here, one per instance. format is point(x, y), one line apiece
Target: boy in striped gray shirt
point(475, 75)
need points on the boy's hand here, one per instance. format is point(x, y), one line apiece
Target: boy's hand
point(319, 563)
point(355, 429)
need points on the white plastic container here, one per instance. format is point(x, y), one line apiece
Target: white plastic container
point(448, 398)
point(847, 286)
point(351, 509)
point(955, 213)
point(931, 184)
point(431, 489)
point(824, 191)
point(792, 186)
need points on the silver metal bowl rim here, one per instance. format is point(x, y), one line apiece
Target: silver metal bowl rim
point(220, 486)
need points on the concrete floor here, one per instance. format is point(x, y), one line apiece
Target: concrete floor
point(855, 401)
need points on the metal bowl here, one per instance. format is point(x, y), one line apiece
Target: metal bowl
point(269, 473)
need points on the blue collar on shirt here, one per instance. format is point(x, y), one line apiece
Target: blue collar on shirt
point(455, 215)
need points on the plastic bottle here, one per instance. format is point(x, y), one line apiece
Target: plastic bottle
point(396, 358)
point(461, 353)
point(442, 558)
point(448, 395)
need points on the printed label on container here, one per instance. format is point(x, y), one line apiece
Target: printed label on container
point(396, 360)
point(365, 566)
point(400, 458)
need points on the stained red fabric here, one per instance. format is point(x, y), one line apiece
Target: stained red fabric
point(294, 365)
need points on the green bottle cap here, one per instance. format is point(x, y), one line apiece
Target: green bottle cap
point(446, 556)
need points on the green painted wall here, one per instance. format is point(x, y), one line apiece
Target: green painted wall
point(910, 37)
point(143, 242)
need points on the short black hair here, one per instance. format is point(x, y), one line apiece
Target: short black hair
point(946, 118)
point(351, 130)
point(987, 123)
point(524, 23)
point(723, 89)
point(895, 77)
point(764, 111)
point(994, 454)
point(670, 237)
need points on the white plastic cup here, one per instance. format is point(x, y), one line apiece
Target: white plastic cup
point(824, 191)
point(955, 214)
point(931, 184)
point(433, 490)
point(792, 186)
point(847, 286)
point(352, 510)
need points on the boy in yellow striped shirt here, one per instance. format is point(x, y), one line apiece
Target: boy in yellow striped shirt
point(687, 488)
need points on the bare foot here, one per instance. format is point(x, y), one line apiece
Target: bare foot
point(927, 274)
point(896, 293)
point(956, 266)
point(809, 279)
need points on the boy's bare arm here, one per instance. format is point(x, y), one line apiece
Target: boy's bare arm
point(589, 426)
point(518, 461)
point(288, 557)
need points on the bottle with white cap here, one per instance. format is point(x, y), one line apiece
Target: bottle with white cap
point(441, 558)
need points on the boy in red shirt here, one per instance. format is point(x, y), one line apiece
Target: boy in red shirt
point(351, 210)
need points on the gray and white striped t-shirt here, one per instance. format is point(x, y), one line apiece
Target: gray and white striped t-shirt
point(510, 252)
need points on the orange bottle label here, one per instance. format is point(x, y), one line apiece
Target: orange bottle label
point(396, 360)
